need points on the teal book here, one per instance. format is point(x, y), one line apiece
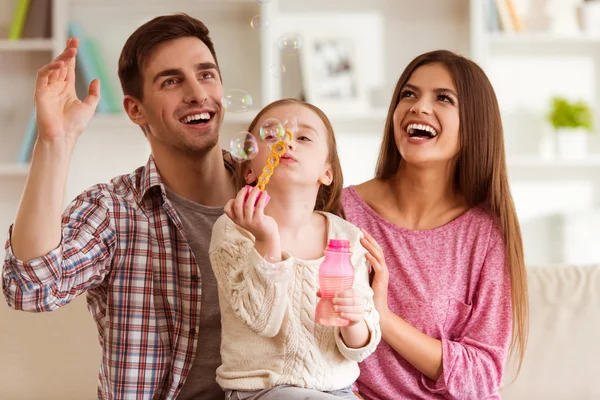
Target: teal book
point(28, 140)
point(107, 90)
point(86, 63)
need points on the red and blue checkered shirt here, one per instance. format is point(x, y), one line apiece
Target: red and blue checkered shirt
point(122, 244)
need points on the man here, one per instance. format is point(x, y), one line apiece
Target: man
point(137, 246)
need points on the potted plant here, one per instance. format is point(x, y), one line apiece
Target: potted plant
point(572, 122)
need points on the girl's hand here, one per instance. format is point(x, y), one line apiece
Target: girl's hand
point(247, 210)
point(380, 282)
point(351, 304)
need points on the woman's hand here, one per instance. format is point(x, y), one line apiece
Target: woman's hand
point(247, 210)
point(380, 282)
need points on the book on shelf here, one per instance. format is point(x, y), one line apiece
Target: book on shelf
point(91, 65)
point(28, 140)
point(31, 19)
point(503, 15)
point(18, 21)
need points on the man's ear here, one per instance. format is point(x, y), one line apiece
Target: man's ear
point(134, 110)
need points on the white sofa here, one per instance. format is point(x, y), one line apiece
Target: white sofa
point(562, 361)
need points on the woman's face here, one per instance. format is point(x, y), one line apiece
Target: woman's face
point(426, 119)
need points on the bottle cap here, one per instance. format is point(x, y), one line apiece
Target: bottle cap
point(338, 245)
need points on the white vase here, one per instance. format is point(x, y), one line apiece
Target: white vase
point(563, 17)
point(571, 144)
point(590, 18)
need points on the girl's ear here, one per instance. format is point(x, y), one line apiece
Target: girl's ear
point(249, 175)
point(327, 177)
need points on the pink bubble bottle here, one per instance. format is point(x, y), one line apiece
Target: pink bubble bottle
point(336, 273)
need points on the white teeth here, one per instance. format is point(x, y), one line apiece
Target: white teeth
point(412, 127)
point(203, 116)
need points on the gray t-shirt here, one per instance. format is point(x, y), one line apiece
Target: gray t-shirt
point(198, 221)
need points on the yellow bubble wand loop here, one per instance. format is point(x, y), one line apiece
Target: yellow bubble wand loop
point(277, 151)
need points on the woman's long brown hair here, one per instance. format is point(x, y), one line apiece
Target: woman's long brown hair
point(329, 197)
point(480, 175)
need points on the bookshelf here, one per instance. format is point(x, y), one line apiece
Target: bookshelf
point(546, 164)
point(26, 45)
point(529, 66)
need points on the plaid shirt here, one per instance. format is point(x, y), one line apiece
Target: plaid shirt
point(122, 244)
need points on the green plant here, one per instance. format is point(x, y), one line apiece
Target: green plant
point(565, 114)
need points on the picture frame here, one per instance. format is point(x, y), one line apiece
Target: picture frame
point(340, 58)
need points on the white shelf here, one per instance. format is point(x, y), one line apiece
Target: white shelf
point(26, 45)
point(537, 39)
point(538, 162)
point(14, 169)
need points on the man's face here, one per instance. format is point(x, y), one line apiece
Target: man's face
point(181, 109)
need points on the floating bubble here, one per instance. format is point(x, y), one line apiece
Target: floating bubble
point(289, 43)
point(277, 70)
point(258, 22)
point(290, 124)
point(243, 146)
point(272, 131)
point(237, 100)
point(276, 271)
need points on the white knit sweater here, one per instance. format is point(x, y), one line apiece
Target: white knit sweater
point(269, 333)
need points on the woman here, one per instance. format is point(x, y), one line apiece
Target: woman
point(440, 212)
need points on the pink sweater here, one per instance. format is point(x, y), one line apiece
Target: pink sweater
point(452, 284)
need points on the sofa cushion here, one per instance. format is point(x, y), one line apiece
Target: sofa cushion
point(562, 360)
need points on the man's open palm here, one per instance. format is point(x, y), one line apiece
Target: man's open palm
point(60, 114)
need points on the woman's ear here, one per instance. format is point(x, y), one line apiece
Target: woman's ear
point(327, 177)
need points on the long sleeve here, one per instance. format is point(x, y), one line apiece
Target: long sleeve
point(257, 300)
point(473, 362)
point(361, 281)
point(80, 262)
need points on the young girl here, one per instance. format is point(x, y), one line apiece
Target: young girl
point(271, 346)
point(440, 212)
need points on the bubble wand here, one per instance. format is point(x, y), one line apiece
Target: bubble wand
point(244, 146)
point(277, 151)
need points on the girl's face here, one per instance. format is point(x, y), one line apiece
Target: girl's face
point(305, 161)
point(426, 119)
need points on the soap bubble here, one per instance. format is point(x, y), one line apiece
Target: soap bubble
point(290, 43)
point(276, 271)
point(236, 100)
point(290, 124)
point(243, 146)
point(272, 131)
point(258, 22)
point(277, 70)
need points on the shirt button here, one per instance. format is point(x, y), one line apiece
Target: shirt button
point(195, 278)
point(193, 331)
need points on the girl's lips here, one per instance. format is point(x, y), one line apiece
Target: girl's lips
point(287, 157)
